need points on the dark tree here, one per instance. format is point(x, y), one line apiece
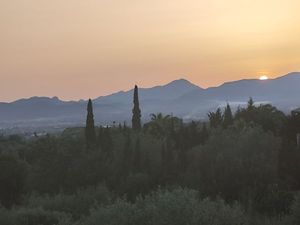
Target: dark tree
point(250, 104)
point(100, 136)
point(193, 135)
point(125, 128)
point(107, 145)
point(137, 156)
point(90, 133)
point(204, 134)
point(136, 112)
point(215, 118)
point(126, 157)
point(12, 179)
point(228, 118)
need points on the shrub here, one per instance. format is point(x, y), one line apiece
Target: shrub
point(5, 217)
point(295, 216)
point(33, 216)
point(13, 174)
point(77, 204)
point(119, 213)
point(177, 207)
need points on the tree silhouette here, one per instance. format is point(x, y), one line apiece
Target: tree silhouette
point(215, 118)
point(204, 134)
point(136, 112)
point(228, 118)
point(90, 133)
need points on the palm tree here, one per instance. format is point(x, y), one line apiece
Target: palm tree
point(215, 118)
point(162, 126)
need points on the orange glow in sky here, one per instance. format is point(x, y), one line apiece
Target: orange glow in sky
point(78, 49)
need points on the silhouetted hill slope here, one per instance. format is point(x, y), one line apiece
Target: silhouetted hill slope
point(169, 91)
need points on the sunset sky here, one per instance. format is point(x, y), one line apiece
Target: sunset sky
point(77, 49)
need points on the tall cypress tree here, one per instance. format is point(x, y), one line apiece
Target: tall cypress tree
point(136, 112)
point(90, 133)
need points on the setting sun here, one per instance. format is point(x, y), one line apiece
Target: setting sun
point(264, 77)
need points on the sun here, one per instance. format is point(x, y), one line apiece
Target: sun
point(264, 77)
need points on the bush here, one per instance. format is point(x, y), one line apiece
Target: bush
point(13, 174)
point(295, 216)
point(77, 204)
point(119, 213)
point(170, 207)
point(33, 216)
point(136, 184)
point(177, 207)
point(5, 217)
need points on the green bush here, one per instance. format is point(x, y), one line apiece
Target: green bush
point(13, 174)
point(170, 207)
point(33, 216)
point(77, 204)
point(136, 184)
point(119, 213)
point(39, 216)
point(177, 207)
point(295, 216)
point(5, 217)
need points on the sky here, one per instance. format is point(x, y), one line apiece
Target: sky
point(77, 49)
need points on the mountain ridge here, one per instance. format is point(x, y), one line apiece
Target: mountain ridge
point(179, 97)
point(289, 75)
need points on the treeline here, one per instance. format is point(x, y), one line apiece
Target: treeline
point(240, 167)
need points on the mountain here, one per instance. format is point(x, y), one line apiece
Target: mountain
point(282, 88)
point(169, 91)
point(180, 97)
point(283, 92)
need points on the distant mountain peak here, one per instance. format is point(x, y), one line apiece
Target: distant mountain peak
point(38, 99)
point(55, 98)
point(181, 80)
point(182, 83)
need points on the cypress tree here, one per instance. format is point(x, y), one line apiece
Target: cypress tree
point(90, 133)
point(136, 112)
point(228, 118)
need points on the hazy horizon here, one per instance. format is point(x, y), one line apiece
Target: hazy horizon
point(81, 49)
